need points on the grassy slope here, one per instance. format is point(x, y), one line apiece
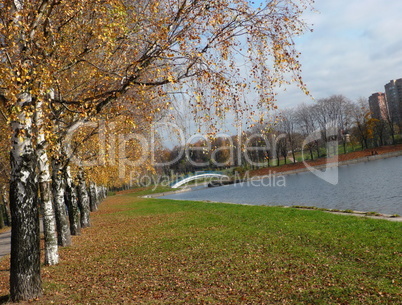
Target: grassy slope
point(154, 251)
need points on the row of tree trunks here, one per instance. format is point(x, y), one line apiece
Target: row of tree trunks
point(30, 173)
point(73, 204)
point(25, 181)
point(64, 212)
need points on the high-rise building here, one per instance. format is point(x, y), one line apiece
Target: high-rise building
point(378, 106)
point(393, 92)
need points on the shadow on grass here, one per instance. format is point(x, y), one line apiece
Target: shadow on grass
point(4, 299)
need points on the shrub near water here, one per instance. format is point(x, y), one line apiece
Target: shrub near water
point(157, 251)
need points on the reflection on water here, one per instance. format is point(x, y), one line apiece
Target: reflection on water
point(368, 186)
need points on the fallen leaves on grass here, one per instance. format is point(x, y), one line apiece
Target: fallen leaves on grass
point(143, 251)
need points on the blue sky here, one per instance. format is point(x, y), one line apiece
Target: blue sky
point(354, 50)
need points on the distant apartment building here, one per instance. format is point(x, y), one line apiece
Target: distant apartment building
point(393, 92)
point(378, 106)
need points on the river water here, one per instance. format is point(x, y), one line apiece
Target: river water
point(374, 186)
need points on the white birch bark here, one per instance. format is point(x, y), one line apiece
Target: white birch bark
point(93, 197)
point(25, 280)
point(83, 201)
point(44, 179)
point(72, 203)
point(63, 227)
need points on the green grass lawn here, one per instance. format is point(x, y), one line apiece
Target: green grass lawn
point(156, 251)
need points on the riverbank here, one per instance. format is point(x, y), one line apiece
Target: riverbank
point(370, 208)
point(149, 251)
point(343, 159)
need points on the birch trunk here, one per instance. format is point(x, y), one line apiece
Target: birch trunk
point(93, 197)
point(101, 193)
point(104, 192)
point(83, 201)
point(25, 279)
point(6, 202)
point(63, 227)
point(2, 213)
point(72, 203)
point(44, 179)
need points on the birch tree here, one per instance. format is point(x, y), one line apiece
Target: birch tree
point(25, 280)
point(71, 200)
point(93, 54)
point(44, 180)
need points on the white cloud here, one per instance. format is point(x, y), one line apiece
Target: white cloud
point(355, 48)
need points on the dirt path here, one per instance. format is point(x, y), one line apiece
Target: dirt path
point(5, 243)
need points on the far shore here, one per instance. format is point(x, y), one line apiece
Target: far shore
point(340, 160)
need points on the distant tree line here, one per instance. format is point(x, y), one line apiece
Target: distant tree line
point(335, 119)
